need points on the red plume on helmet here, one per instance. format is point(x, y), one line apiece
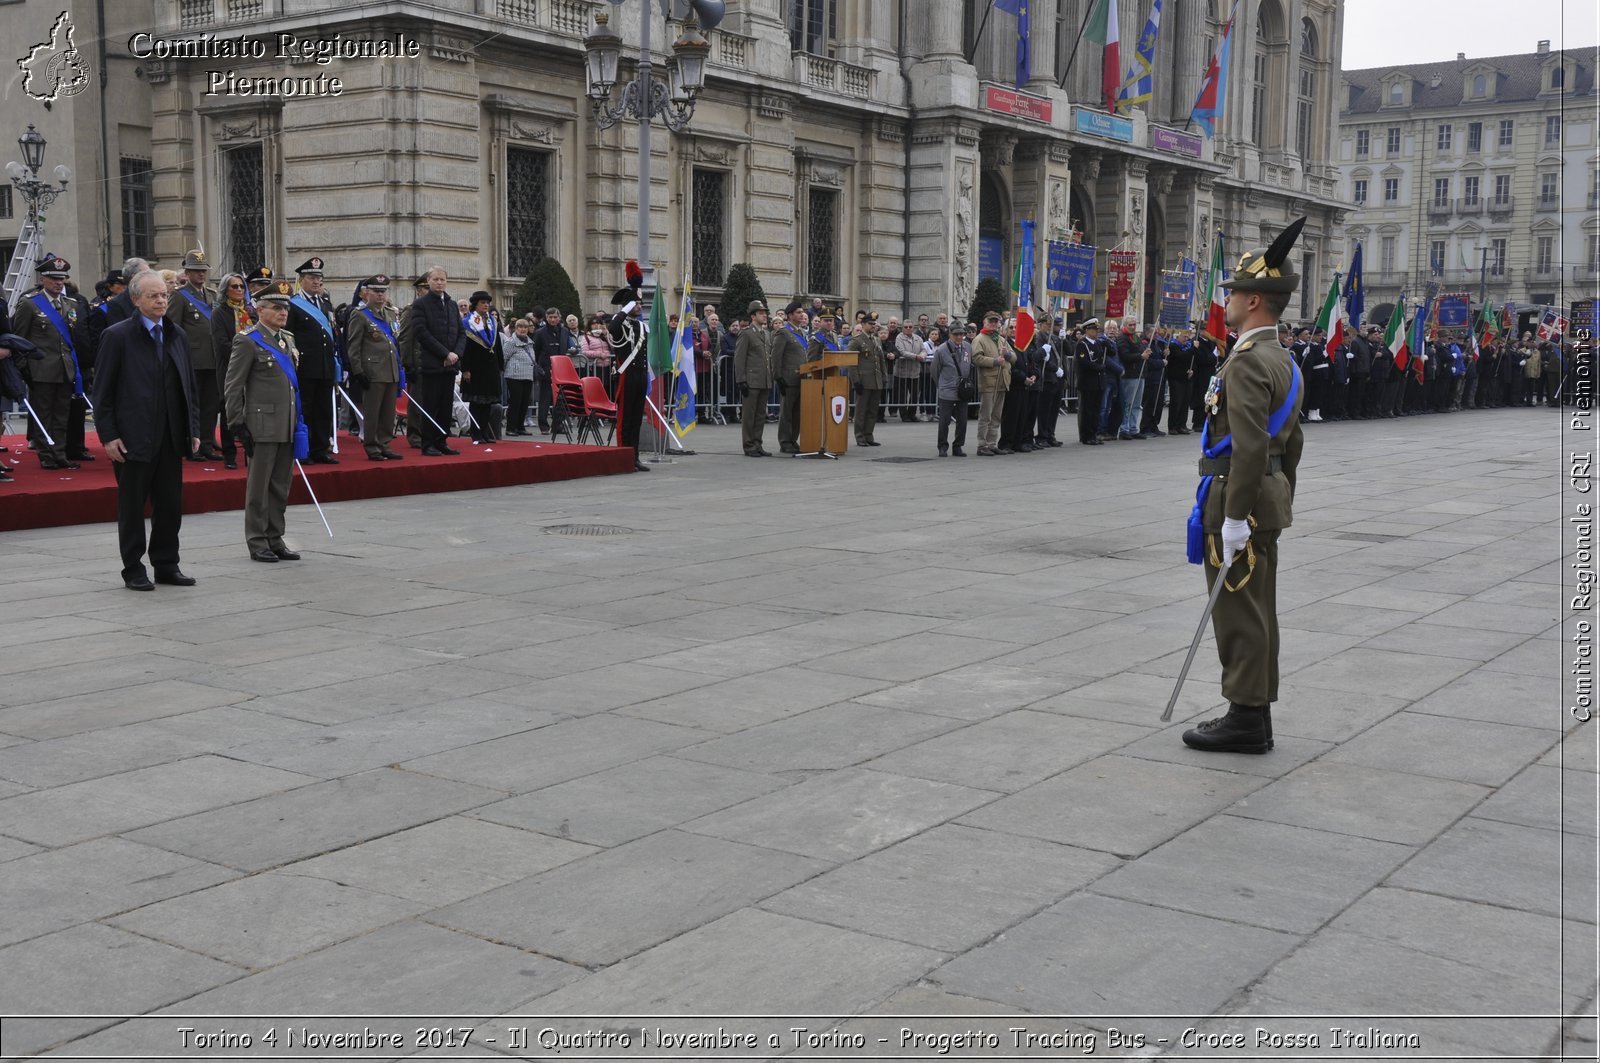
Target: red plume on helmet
point(634, 274)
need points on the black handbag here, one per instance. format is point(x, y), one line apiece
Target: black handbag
point(967, 388)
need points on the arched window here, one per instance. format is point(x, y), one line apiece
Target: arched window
point(1480, 85)
point(1258, 84)
point(1558, 77)
point(1306, 107)
point(1397, 94)
point(1308, 38)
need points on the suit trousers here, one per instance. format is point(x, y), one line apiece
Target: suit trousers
point(1088, 408)
point(1178, 403)
point(377, 417)
point(1049, 410)
point(990, 406)
point(160, 483)
point(789, 417)
point(77, 440)
point(952, 410)
point(1246, 624)
point(53, 405)
point(438, 402)
point(867, 402)
point(316, 405)
point(266, 495)
point(521, 395)
point(209, 399)
point(753, 419)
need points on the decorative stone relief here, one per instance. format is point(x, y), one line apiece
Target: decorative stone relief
point(1056, 220)
point(1136, 213)
point(713, 153)
point(244, 131)
point(966, 181)
point(541, 134)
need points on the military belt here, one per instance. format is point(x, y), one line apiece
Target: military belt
point(1220, 466)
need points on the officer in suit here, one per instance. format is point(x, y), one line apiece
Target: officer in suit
point(752, 372)
point(262, 397)
point(1052, 379)
point(871, 375)
point(56, 323)
point(147, 417)
point(316, 333)
point(371, 343)
point(789, 355)
point(190, 310)
point(1250, 498)
point(628, 350)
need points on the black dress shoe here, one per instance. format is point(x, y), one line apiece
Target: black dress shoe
point(138, 583)
point(264, 555)
point(230, 463)
point(452, 451)
point(283, 553)
point(325, 459)
point(958, 452)
point(6, 477)
point(174, 577)
point(80, 457)
point(390, 455)
point(432, 452)
point(640, 466)
point(69, 465)
point(873, 443)
point(376, 457)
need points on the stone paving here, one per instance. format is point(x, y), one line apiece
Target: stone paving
point(831, 739)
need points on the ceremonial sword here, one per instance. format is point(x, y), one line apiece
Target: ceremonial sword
point(1199, 633)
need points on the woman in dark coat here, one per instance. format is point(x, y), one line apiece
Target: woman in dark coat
point(482, 366)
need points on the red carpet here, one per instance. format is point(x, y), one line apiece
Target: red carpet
point(40, 499)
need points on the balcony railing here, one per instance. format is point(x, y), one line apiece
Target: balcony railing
point(1550, 274)
point(826, 73)
point(1549, 203)
point(1469, 205)
point(1439, 208)
point(1500, 206)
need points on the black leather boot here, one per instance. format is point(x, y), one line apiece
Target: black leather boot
point(1242, 730)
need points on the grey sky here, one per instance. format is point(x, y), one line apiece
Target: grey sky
point(1396, 32)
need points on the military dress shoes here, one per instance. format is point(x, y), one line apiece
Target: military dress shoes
point(639, 466)
point(283, 553)
point(174, 577)
point(264, 555)
point(958, 452)
point(1242, 730)
point(85, 456)
point(389, 455)
point(432, 452)
point(450, 451)
point(141, 582)
point(324, 459)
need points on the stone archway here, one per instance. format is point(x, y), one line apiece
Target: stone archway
point(994, 213)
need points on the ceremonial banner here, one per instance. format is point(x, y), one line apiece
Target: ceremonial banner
point(1583, 315)
point(1120, 268)
point(1454, 310)
point(991, 250)
point(1177, 295)
point(1551, 325)
point(1071, 270)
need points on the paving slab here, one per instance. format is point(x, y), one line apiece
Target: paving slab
point(835, 736)
point(1545, 871)
point(1090, 950)
point(1445, 748)
point(269, 831)
point(746, 701)
point(602, 908)
point(1115, 804)
point(748, 962)
point(1545, 796)
point(1502, 697)
point(950, 888)
point(1406, 675)
point(69, 700)
point(842, 814)
point(1351, 799)
point(974, 692)
point(444, 861)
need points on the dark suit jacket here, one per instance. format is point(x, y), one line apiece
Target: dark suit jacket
point(436, 324)
point(318, 350)
point(119, 308)
point(128, 383)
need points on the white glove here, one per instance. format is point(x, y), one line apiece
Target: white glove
point(1060, 373)
point(1235, 533)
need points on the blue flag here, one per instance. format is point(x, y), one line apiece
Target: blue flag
point(1019, 8)
point(1355, 297)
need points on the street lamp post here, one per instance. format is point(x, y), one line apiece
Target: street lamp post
point(646, 97)
point(38, 195)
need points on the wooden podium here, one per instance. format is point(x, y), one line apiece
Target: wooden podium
point(825, 405)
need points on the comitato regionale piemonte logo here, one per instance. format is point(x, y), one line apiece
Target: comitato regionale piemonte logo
point(54, 68)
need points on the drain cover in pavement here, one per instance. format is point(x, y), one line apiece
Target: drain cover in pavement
point(586, 529)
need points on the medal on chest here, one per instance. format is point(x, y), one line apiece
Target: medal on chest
point(1213, 394)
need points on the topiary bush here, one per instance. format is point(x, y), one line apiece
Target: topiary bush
point(547, 285)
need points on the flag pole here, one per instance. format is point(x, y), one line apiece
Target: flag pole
point(978, 37)
point(1088, 13)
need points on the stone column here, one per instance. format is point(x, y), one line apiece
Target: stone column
point(944, 216)
point(1187, 56)
point(942, 77)
point(1042, 46)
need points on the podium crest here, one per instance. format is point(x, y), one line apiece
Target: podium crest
point(837, 407)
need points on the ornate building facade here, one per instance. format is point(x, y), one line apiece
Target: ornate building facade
point(875, 152)
point(1475, 175)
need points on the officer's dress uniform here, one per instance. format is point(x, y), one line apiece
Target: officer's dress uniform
point(871, 373)
point(628, 336)
point(375, 358)
point(788, 356)
point(752, 371)
point(259, 395)
point(52, 379)
point(190, 309)
point(316, 333)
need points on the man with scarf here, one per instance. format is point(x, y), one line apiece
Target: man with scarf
point(53, 321)
point(374, 353)
point(190, 310)
point(263, 399)
point(1250, 453)
point(628, 354)
point(312, 325)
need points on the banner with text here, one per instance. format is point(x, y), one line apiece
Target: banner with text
point(1070, 270)
point(1455, 310)
point(1120, 268)
point(1177, 296)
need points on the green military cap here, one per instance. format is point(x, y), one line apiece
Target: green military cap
point(276, 292)
point(1267, 269)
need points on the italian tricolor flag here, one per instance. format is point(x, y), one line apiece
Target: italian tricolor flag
point(1331, 319)
point(1216, 324)
point(1396, 331)
point(1102, 27)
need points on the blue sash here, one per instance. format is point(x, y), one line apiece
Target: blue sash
point(484, 335)
point(205, 311)
point(799, 338)
point(302, 438)
point(1275, 423)
point(42, 301)
point(316, 313)
point(826, 342)
point(388, 334)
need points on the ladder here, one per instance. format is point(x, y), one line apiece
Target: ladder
point(19, 274)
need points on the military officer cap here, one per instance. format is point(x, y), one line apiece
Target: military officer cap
point(420, 282)
point(1092, 323)
point(825, 314)
point(196, 259)
point(55, 266)
point(312, 265)
point(794, 304)
point(115, 277)
point(378, 282)
point(756, 305)
point(276, 292)
point(872, 316)
point(1267, 269)
point(260, 275)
